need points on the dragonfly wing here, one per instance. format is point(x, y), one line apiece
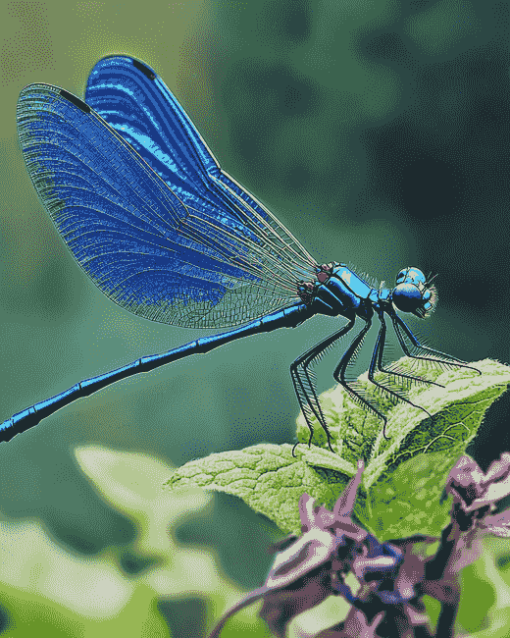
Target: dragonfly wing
point(135, 101)
point(127, 229)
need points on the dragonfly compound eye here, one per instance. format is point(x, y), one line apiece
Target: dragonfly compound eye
point(407, 297)
point(418, 299)
point(412, 276)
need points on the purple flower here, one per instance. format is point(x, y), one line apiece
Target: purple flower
point(393, 576)
point(475, 494)
point(309, 568)
point(300, 577)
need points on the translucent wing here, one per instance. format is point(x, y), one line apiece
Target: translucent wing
point(177, 256)
point(140, 107)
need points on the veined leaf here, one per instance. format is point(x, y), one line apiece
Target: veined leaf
point(404, 477)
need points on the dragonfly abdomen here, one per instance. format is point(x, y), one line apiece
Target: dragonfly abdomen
point(289, 317)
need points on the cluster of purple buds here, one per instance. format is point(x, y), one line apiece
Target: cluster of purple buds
point(393, 576)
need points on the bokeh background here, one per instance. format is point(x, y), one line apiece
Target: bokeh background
point(378, 133)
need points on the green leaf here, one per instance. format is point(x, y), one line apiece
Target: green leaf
point(268, 478)
point(484, 610)
point(404, 476)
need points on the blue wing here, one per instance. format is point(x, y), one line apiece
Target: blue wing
point(163, 233)
point(137, 104)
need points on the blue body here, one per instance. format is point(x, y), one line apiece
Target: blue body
point(332, 298)
point(149, 215)
point(31, 416)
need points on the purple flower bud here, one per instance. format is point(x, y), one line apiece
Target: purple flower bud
point(473, 489)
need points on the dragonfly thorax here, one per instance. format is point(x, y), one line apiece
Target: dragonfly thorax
point(338, 291)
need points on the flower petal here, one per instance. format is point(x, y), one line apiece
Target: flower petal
point(498, 524)
point(309, 552)
point(344, 505)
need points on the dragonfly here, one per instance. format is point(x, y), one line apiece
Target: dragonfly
point(149, 215)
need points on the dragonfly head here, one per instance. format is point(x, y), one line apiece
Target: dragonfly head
point(413, 293)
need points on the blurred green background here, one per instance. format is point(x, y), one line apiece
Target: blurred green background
point(377, 132)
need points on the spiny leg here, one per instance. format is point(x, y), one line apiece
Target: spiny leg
point(399, 324)
point(301, 369)
point(339, 373)
point(377, 358)
point(304, 382)
point(304, 387)
point(395, 371)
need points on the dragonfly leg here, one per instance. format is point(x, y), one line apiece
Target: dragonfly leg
point(376, 360)
point(399, 325)
point(303, 379)
point(339, 374)
point(395, 371)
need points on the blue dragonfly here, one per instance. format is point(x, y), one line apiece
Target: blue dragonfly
point(164, 232)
